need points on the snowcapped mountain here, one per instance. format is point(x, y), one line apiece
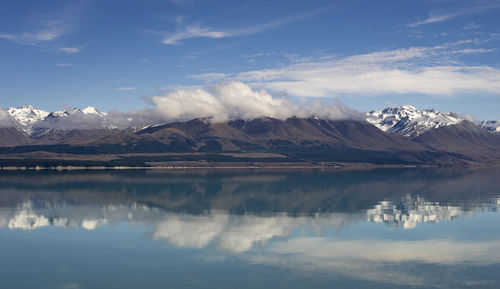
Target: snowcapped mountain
point(490, 125)
point(35, 121)
point(89, 110)
point(92, 110)
point(405, 120)
point(26, 116)
point(409, 121)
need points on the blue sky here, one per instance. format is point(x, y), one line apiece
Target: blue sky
point(367, 54)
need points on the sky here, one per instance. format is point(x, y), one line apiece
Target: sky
point(130, 55)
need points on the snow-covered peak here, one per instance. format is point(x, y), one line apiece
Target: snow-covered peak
point(409, 121)
point(65, 112)
point(26, 115)
point(490, 125)
point(408, 107)
point(35, 121)
point(91, 110)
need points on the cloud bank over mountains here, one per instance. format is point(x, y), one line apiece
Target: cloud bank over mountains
point(228, 100)
point(237, 100)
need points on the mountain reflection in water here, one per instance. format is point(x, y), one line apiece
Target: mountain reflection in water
point(321, 222)
point(405, 213)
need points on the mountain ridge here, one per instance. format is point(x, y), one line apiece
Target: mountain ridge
point(405, 119)
point(411, 137)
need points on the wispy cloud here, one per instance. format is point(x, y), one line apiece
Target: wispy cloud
point(435, 71)
point(441, 17)
point(199, 31)
point(64, 64)
point(194, 31)
point(210, 76)
point(47, 29)
point(471, 26)
point(260, 54)
point(70, 50)
point(125, 88)
point(50, 30)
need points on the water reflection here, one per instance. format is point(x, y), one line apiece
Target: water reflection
point(336, 224)
point(406, 213)
point(410, 211)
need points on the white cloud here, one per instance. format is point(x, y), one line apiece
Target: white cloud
point(418, 70)
point(70, 50)
point(36, 37)
point(47, 30)
point(471, 26)
point(125, 88)
point(198, 31)
point(64, 64)
point(236, 100)
point(257, 55)
point(434, 19)
point(471, 51)
point(210, 76)
point(441, 17)
point(370, 81)
point(194, 31)
point(5, 119)
point(223, 102)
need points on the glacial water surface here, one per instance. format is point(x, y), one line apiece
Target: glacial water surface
point(388, 228)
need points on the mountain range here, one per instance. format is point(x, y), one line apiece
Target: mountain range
point(400, 135)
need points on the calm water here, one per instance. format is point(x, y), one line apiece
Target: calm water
point(250, 229)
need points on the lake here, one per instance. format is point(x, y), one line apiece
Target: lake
point(384, 228)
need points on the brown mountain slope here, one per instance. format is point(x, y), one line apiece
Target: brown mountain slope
point(266, 132)
point(466, 139)
point(300, 139)
point(312, 139)
point(75, 136)
point(10, 136)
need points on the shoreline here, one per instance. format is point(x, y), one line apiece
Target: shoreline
point(182, 161)
point(356, 166)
